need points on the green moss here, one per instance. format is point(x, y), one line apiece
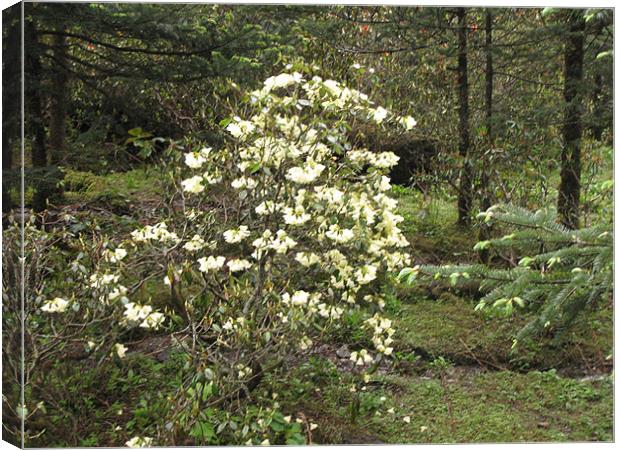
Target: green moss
point(115, 188)
point(449, 326)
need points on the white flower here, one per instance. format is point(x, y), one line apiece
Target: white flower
point(299, 298)
point(384, 184)
point(305, 343)
point(228, 325)
point(134, 312)
point(237, 265)
point(193, 185)
point(211, 178)
point(56, 305)
point(307, 174)
point(117, 292)
point(158, 232)
point(98, 281)
point(243, 183)
point(240, 128)
point(267, 207)
point(407, 419)
point(282, 242)
point(340, 235)
point(295, 216)
point(408, 122)
point(332, 196)
point(138, 441)
point(282, 80)
point(153, 320)
point(362, 357)
point(196, 243)
point(307, 259)
point(116, 255)
point(195, 160)
point(120, 350)
point(211, 263)
point(379, 114)
point(366, 274)
point(236, 235)
point(265, 442)
point(333, 87)
point(385, 160)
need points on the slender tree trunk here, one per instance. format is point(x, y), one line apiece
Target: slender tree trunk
point(465, 187)
point(58, 105)
point(11, 98)
point(485, 230)
point(34, 109)
point(570, 175)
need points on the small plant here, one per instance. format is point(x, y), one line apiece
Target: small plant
point(440, 366)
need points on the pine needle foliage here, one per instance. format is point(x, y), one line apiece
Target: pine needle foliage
point(553, 271)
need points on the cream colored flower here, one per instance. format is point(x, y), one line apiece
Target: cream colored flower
point(57, 305)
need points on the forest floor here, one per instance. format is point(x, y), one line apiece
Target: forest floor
point(454, 376)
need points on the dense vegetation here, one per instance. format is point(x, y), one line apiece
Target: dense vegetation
point(300, 225)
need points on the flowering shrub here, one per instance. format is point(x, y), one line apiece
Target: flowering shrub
point(288, 227)
point(73, 304)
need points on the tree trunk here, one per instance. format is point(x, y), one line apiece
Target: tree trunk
point(58, 105)
point(34, 109)
point(485, 230)
point(570, 174)
point(465, 187)
point(11, 99)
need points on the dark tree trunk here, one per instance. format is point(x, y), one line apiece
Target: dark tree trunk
point(58, 105)
point(34, 109)
point(11, 98)
point(485, 203)
point(465, 187)
point(570, 175)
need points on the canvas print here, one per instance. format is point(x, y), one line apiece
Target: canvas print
point(243, 224)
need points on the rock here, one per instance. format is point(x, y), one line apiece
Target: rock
point(343, 352)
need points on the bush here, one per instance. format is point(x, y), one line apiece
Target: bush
point(285, 228)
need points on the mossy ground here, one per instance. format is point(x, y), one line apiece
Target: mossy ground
point(469, 405)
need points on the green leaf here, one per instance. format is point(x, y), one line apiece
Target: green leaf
point(548, 11)
point(224, 122)
point(454, 278)
point(203, 431)
point(500, 302)
point(608, 53)
point(482, 245)
point(207, 391)
point(526, 261)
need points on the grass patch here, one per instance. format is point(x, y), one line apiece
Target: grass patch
point(496, 407)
